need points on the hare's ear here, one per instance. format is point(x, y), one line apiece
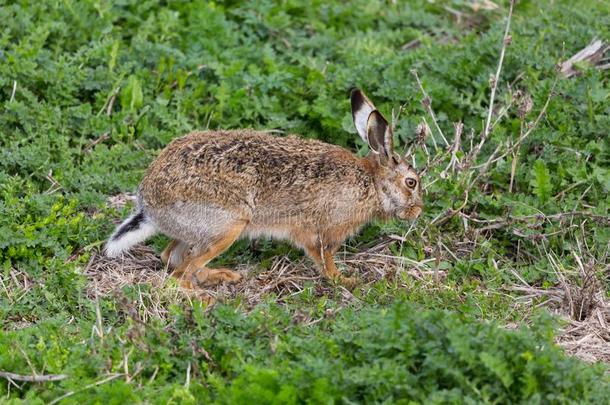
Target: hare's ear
point(361, 109)
point(379, 135)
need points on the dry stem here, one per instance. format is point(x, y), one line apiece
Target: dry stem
point(32, 378)
point(427, 103)
point(505, 42)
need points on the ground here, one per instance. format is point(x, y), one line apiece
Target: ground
point(499, 292)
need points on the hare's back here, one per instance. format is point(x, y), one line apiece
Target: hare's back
point(238, 167)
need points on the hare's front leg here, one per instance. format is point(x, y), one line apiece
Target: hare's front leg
point(193, 271)
point(323, 257)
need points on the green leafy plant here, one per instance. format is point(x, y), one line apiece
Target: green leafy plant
point(91, 91)
point(541, 181)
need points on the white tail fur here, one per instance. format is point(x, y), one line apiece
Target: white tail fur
point(135, 229)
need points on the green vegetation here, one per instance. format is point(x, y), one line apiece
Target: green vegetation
point(92, 90)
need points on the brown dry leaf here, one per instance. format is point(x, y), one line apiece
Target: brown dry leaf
point(483, 5)
point(120, 200)
point(592, 54)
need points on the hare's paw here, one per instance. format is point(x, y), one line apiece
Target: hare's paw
point(226, 275)
point(209, 277)
point(350, 282)
point(205, 298)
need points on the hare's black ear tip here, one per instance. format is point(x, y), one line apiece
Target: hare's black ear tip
point(357, 98)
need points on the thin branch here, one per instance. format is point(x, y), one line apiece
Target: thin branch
point(14, 91)
point(427, 102)
point(450, 213)
point(592, 53)
point(112, 100)
point(396, 116)
point(501, 223)
point(455, 148)
point(506, 40)
point(32, 378)
point(86, 387)
point(108, 104)
point(526, 133)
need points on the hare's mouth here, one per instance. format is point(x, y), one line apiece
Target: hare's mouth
point(410, 213)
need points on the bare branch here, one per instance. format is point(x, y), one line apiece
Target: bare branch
point(592, 53)
point(14, 91)
point(501, 223)
point(506, 40)
point(32, 378)
point(86, 387)
point(455, 148)
point(525, 134)
point(427, 103)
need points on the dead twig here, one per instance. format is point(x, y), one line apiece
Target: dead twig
point(524, 135)
point(427, 103)
point(592, 54)
point(13, 92)
point(506, 40)
point(104, 137)
point(32, 378)
point(109, 104)
point(55, 185)
point(86, 387)
point(411, 45)
point(112, 100)
point(501, 223)
point(455, 148)
point(450, 213)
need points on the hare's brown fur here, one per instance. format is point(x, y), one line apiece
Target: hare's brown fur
point(207, 189)
point(291, 184)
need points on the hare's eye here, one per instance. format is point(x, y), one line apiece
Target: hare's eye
point(411, 183)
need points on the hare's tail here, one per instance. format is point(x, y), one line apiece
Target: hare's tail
point(135, 229)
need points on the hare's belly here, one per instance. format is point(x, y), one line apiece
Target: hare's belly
point(272, 222)
point(278, 232)
point(195, 222)
point(299, 236)
point(296, 224)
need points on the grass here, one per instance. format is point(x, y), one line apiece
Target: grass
point(468, 304)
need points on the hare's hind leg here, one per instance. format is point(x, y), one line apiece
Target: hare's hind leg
point(193, 271)
point(168, 250)
point(174, 252)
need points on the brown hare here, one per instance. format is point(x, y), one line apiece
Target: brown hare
point(207, 189)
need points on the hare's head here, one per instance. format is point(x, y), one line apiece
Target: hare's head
point(396, 180)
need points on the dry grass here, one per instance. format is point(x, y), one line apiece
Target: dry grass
point(579, 298)
point(14, 286)
point(140, 267)
point(581, 301)
point(587, 338)
point(284, 279)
